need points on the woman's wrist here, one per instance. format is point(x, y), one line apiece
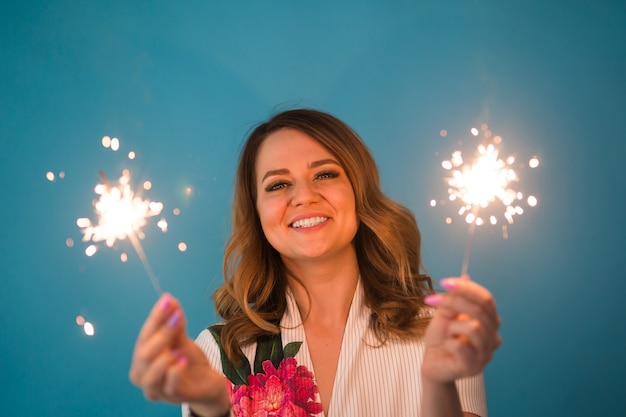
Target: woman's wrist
point(219, 406)
point(440, 398)
point(194, 414)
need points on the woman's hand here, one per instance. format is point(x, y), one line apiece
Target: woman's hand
point(463, 333)
point(168, 366)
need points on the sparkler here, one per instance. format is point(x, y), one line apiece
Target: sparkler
point(120, 214)
point(485, 185)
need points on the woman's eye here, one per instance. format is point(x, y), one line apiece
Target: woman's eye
point(276, 186)
point(326, 175)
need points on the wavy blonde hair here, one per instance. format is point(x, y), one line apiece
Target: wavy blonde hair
point(252, 299)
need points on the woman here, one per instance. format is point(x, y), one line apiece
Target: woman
point(325, 304)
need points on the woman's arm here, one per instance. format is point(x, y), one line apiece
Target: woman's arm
point(459, 342)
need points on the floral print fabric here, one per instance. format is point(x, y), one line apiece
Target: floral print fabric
point(287, 391)
point(278, 387)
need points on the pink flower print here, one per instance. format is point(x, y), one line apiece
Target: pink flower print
point(288, 391)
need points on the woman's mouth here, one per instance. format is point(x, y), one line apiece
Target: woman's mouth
point(310, 222)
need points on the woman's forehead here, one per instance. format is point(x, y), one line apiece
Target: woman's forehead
point(287, 146)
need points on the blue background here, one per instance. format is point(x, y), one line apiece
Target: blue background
point(182, 83)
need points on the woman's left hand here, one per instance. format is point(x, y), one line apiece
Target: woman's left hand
point(463, 333)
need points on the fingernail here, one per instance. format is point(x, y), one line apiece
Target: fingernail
point(432, 300)
point(165, 302)
point(448, 284)
point(182, 361)
point(173, 321)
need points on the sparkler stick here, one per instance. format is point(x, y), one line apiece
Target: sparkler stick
point(468, 245)
point(121, 215)
point(144, 260)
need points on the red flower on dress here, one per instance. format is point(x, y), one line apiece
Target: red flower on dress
point(288, 391)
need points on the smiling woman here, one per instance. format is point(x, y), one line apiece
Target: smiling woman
point(327, 310)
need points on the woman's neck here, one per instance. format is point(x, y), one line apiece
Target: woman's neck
point(323, 289)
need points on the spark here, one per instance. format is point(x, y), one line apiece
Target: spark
point(89, 329)
point(485, 186)
point(480, 183)
point(120, 214)
point(162, 224)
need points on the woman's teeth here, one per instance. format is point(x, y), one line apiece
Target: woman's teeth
point(310, 222)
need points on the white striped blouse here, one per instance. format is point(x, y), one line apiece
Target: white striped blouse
point(371, 380)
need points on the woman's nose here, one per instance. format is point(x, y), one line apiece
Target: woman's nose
point(303, 194)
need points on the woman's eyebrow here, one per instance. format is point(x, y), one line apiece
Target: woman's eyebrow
point(281, 171)
point(314, 164)
point(321, 162)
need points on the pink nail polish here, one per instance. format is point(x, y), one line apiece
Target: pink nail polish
point(173, 321)
point(433, 300)
point(165, 302)
point(448, 284)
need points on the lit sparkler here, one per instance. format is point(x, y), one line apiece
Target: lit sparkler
point(485, 188)
point(120, 214)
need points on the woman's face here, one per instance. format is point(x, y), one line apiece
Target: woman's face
point(304, 199)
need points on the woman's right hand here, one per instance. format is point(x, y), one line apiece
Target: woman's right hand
point(168, 366)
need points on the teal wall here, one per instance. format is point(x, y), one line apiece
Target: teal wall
point(182, 83)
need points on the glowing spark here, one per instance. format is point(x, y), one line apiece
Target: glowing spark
point(89, 329)
point(162, 224)
point(534, 162)
point(131, 155)
point(485, 183)
point(91, 250)
point(121, 214)
point(50, 176)
point(182, 246)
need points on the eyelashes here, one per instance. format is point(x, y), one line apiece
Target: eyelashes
point(282, 184)
point(275, 186)
point(327, 175)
